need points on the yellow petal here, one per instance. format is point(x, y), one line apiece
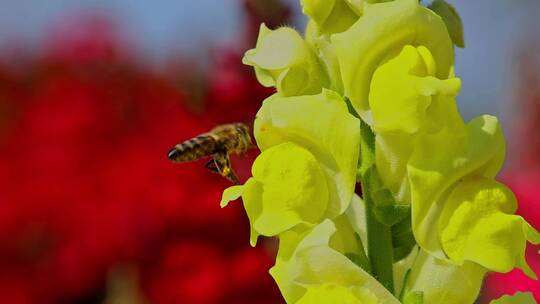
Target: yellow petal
point(325, 128)
point(284, 60)
point(478, 224)
point(443, 282)
point(379, 35)
point(439, 161)
point(231, 194)
point(313, 267)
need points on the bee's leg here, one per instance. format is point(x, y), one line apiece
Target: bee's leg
point(212, 166)
point(221, 164)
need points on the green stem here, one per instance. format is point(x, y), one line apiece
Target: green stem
point(379, 236)
point(379, 244)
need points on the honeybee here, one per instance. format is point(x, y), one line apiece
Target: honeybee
point(219, 143)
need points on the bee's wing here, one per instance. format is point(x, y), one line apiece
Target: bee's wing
point(212, 166)
point(221, 164)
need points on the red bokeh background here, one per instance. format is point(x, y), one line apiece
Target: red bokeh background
point(91, 210)
point(523, 168)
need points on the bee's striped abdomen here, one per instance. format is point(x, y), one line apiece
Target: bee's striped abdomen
point(219, 143)
point(194, 149)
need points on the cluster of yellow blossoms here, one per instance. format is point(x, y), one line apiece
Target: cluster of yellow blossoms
point(367, 95)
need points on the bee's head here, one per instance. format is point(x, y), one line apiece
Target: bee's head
point(244, 132)
point(242, 128)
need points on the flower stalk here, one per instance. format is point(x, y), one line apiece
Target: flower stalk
point(379, 235)
point(379, 245)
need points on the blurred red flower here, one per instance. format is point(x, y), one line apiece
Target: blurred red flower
point(85, 185)
point(523, 176)
point(525, 186)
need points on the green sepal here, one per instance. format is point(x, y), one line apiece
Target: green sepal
point(385, 209)
point(360, 261)
point(331, 16)
point(405, 279)
point(402, 232)
point(402, 238)
point(402, 252)
point(415, 297)
point(367, 148)
point(452, 20)
point(517, 298)
point(402, 272)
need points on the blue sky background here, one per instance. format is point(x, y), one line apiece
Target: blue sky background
point(493, 29)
